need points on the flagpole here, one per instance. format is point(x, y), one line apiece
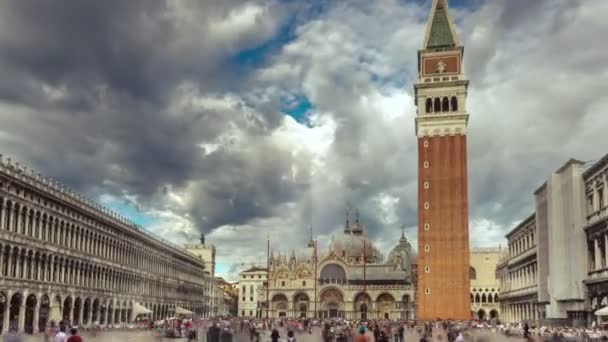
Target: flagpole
point(267, 277)
point(315, 277)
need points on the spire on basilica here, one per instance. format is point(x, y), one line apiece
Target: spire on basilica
point(311, 242)
point(357, 229)
point(440, 31)
point(347, 223)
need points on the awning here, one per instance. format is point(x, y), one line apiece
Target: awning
point(181, 311)
point(139, 309)
point(602, 312)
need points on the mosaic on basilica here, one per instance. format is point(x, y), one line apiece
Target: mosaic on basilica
point(351, 280)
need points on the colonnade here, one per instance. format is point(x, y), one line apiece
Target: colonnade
point(520, 277)
point(519, 312)
point(598, 250)
point(67, 259)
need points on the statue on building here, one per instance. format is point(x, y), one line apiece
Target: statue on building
point(202, 238)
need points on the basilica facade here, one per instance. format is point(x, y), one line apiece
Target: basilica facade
point(351, 280)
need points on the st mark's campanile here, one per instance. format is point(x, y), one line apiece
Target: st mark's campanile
point(441, 128)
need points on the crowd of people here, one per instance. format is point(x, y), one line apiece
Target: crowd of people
point(226, 329)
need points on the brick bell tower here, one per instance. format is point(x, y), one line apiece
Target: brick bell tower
point(441, 127)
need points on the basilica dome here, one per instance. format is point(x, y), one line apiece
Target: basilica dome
point(350, 246)
point(402, 256)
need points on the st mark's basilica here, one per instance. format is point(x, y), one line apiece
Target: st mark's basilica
point(352, 279)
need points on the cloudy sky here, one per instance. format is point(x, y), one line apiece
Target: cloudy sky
point(249, 119)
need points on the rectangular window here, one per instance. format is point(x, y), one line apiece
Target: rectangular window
point(244, 289)
point(251, 288)
point(590, 208)
point(600, 197)
point(250, 313)
point(282, 283)
point(251, 299)
point(242, 312)
point(304, 283)
point(243, 299)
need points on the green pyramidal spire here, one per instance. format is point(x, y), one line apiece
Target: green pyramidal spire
point(440, 33)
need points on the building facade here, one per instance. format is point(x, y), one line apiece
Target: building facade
point(596, 231)
point(250, 283)
point(484, 285)
point(213, 298)
point(63, 257)
point(441, 128)
point(517, 273)
point(351, 280)
point(555, 272)
point(231, 295)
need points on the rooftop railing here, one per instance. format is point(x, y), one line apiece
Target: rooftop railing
point(63, 192)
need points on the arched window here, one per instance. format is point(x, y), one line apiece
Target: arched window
point(495, 297)
point(454, 103)
point(429, 105)
point(472, 273)
point(477, 298)
point(445, 105)
point(483, 298)
point(332, 273)
point(437, 106)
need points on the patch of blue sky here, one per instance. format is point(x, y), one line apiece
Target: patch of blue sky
point(221, 267)
point(256, 56)
point(129, 211)
point(298, 107)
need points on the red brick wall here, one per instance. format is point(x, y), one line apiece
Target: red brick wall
point(448, 234)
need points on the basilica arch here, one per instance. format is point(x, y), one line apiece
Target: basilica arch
point(332, 274)
point(332, 303)
point(280, 304)
point(386, 305)
point(362, 305)
point(301, 304)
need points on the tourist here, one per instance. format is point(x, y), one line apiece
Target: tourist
point(60, 336)
point(74, 336)
point(401, 332)
point(226, 335)
point(460, 338)
point(213, 333)
point(383, 337)
point(290, 337)
point(274, 336)
point(361, 337)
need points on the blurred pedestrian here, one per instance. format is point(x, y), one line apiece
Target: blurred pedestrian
point(74, 337)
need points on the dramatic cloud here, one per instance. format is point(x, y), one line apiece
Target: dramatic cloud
point(245, 120)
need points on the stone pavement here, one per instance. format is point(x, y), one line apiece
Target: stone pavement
point(145, 336)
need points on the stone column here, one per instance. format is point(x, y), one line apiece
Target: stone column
point(7, 309)
point(597, 254)
point(90, 314)
point(606, 246)
point(2, 210)
point(36, 315)
point(80, 312)
point(22, 316)
point(18, 223)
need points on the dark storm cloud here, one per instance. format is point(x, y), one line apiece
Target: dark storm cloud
point(90, 92)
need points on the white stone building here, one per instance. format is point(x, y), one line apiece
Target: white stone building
point(211, 299)
point(517, 275)
point(251, 282)
point(351, 280)
point(556, 271)
point(64, 257)
point(596, 230)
